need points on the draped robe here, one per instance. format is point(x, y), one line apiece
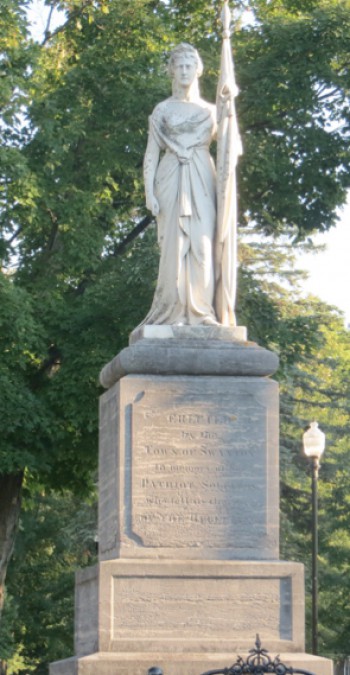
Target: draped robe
point(185, 187)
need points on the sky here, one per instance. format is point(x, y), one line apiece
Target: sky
point(329, 270)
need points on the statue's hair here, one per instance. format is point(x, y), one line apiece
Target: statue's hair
point(184, 49)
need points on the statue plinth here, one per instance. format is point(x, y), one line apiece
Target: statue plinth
point(166, 332)
point(190, 350)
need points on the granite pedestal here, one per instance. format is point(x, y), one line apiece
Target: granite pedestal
point(188, 568)
point(196, 471)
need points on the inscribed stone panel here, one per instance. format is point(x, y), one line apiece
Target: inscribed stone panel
point(162, 607)
point(197, 461)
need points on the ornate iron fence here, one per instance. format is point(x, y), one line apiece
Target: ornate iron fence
point(257, 663)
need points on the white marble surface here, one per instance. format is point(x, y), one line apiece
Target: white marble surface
point(168, 332)
point(195, 209)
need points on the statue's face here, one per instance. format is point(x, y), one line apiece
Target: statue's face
point(185, 70)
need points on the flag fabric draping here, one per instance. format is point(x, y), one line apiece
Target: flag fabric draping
point(228, 150)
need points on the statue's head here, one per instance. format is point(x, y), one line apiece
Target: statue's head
point(184, 51)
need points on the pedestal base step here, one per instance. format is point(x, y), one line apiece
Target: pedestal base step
point(103, 663)
point(178, 607)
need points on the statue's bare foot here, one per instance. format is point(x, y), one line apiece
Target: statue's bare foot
point(210, 321)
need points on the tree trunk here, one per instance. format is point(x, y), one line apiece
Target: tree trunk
point(10, 502)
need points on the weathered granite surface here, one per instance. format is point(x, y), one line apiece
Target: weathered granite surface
point(189, 350)
point(194, 606)
point(188, 513)
point(86, 619)
point(189, 468)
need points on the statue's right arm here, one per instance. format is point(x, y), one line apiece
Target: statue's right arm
point(150, 164)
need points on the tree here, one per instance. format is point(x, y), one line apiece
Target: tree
point(50, 546)
point(319, 389)
point(18, 339)
point(293, 63)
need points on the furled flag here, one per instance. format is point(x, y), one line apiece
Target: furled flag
point(229, 148)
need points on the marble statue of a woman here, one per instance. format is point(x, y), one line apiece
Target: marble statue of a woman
point(181, 191)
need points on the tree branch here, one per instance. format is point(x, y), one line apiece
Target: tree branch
point(119, 249)
point(47, 27)
point(15, 235)
point(10, 502)
point(76, 13)
point(140, 227)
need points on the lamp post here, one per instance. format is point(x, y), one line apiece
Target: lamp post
point(314, 441)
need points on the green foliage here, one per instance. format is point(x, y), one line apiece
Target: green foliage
point(50, 546)
point(8, 621)
point(24, 424)
point(314, 375)
point(318, 388)
point(296, 163)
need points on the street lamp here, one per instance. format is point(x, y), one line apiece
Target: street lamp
point(314, 442)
